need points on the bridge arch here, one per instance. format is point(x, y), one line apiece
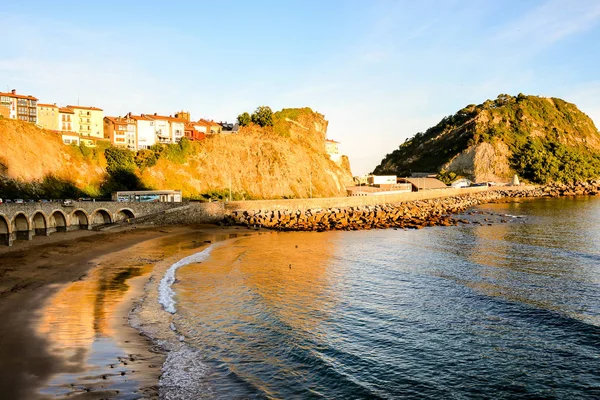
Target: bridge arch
point(124, 214)
point(79, 219)
point(101, 216)
point(5, 230)
point(4, 224)
point(38, 223)
point(20, 226)
point(57, 221)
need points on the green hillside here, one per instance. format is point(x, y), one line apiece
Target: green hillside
point(540, 139)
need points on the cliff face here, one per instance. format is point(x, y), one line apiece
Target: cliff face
point(541, 139)
point(285, 160)
point(36, 161)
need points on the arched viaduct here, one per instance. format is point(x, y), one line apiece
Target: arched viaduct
point(26, 220)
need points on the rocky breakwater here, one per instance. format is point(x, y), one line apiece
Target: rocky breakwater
point(589, 188)
point(532, 191)
point(414, 214)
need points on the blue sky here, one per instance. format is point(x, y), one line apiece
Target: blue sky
point(380, 71)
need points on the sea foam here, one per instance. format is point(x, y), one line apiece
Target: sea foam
point(166, 294)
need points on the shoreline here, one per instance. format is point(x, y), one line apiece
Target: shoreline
point(39, 293)
point(35, 272)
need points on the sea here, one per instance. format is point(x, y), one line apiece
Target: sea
point(505, 307)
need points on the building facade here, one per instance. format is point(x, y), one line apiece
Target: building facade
point(331, 147)
point(131, 135)
point(207, 127)
point(88, 122)
point(168, 129)
point(146, 137)
point(48, 116)
point(121, 131)
point(65, 118)
point(115, 129)
point(191, 133)
point(20, 107)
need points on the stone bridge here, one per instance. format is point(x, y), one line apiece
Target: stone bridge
point(26, 220)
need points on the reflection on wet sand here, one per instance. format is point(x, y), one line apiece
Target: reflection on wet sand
point(77, 315)
point(84, 321)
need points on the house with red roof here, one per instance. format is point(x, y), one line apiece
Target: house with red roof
point(22, 107)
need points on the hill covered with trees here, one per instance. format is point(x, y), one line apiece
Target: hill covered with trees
point(541, 139)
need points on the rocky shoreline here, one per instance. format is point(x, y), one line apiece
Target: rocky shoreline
point(405, 215)
point(589, 188)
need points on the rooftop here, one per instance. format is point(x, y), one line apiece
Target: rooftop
point(424, 183)
point(164, 118)
point(85, 108)
point(118, 120)
point(13, 94)
point(140, 117)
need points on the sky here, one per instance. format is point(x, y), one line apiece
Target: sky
point(380, 71)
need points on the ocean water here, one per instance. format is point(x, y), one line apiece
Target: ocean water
point(507, 310)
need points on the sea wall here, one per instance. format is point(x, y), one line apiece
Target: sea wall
point(406, 214)
point(404, 210)
point(215, 212)
point(589, 188)
point(354, 201)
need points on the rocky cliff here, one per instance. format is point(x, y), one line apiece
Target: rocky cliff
point(35, 162)
point(541, 139)
point(285, 160)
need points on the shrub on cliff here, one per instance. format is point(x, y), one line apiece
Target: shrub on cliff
point(146, 158)
point(119, 160)
point(120, 171)
point(544, 162)
point(263, 116)
point(179, 152)
point(244, 119)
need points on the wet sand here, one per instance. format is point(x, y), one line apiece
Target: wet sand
point(64, 307)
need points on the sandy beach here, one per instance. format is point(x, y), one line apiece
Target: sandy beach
point(65, 301)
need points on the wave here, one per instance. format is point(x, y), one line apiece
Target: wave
point(182, 375)
point(166, 294)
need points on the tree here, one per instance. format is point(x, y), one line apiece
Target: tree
point(244, 119)
point(118, 159)
point(120, 171)
point(263, 116)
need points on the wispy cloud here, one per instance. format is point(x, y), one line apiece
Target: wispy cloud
point(553, 21)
